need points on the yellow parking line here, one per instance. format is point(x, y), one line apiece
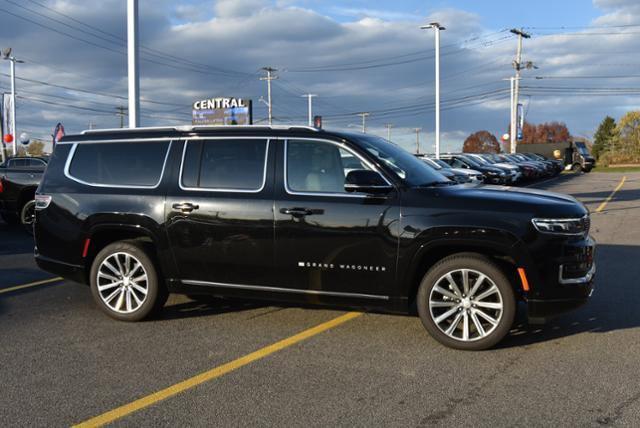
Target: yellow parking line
point(163, 394)
point(606, 201)
point(29, 285)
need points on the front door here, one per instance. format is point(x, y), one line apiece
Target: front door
point(329, 242)
point(220, 211)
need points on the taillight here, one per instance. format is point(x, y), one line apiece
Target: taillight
point(1, 184)
point(42, 201)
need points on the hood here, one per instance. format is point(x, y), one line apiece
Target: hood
point(537, 203)
point(465, 171)
point(506, 165)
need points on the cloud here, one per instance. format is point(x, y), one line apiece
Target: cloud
point(373, 62)
point(385, 15)
point(239, 8)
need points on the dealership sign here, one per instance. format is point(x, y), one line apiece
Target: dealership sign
point(222, 111)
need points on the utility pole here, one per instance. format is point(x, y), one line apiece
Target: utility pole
point(515, 85)
point(437, 28)
point(269, 77)
point(364, 121)
point(133, 63)
point(310, 109)
point(6, 54)
point(389, 126)
point(122, 112)
point(417, 131)
point(90, 125)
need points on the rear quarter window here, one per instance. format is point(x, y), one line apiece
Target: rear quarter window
point(138, 164)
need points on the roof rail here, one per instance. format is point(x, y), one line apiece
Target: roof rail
point(194, 128)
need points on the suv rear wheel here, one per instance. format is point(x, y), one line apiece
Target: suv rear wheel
point(28, 215)
point(124, 282)
point(466, 302)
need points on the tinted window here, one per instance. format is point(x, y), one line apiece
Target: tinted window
point(119, 164)
point(405, 165)
point(229, 164)
point(36, 163)
point(18, 163)
point(318, 166)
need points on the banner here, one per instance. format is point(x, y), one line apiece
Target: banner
point(58, 133)
point(7, 123)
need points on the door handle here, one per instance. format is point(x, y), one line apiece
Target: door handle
point(300, 212)
point(185, 207)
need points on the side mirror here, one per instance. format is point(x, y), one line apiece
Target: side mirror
point(366, 181)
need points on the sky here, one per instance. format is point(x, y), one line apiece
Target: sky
point(362, 55)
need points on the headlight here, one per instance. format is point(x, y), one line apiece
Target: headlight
point(562, 226)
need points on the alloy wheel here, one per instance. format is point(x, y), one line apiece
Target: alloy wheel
point(466, 305)
point(122, 283)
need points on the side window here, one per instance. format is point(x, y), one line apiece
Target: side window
point(18, 163)
point(225, 164)
point(36, 163)
point(318, 166)
point(458, 164)
point(119, 164)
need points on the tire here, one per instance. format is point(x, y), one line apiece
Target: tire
point(576, 167)
point(126, 300)
point(440, 305)
point(28, 216)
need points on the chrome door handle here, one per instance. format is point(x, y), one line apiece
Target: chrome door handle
point(300, 212)
point(185, 207)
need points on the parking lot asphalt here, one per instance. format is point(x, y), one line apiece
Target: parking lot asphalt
point(63, 362)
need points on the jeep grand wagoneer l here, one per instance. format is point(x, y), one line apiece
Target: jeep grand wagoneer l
point(304, 215)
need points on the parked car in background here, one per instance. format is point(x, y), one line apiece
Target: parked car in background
point(530, 170)
point(513, 170)
point(492, 175)
point(19, 178)
point(473, 175)
point(447, 172)
point(557, 165)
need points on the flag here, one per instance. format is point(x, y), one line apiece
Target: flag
point(58, 133)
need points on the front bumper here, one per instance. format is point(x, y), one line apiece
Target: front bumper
point(563, 281)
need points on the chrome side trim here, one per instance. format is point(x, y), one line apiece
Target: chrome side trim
point(580, 280)
point(283, 290)
point(231, 190)
point(341, 145)
point(113, 186)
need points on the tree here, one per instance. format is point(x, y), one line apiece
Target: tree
point(603, 136)
point(36, 148)
point(627, 136)
point(548, 132)
point(481, 142)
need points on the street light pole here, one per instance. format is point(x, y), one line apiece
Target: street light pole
point(6, 55)
point(389, 126)
point(517, 64)
point(437, 28)
point(133, 63)
point(310, 108)
point(417, 131)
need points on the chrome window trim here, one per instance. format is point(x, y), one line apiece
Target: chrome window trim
point(331, 194)
point(580, 280)
point(283, 290)
point(227, 190)
point(114, 186)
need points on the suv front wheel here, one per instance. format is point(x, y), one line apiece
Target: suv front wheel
point(465, 301)
point(124, 282)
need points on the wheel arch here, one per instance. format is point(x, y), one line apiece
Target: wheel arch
point(102, 234)
point(503, 254)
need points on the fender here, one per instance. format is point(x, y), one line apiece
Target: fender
point(135, 225)
point(435, 243)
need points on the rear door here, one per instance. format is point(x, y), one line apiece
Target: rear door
point(220, 212)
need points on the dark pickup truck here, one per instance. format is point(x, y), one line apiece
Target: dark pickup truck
point(19, 178)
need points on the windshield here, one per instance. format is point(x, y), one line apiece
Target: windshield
point(412, 170)
point(441, 163)
point(432, 163)
point(471, 161)
point(582, 149)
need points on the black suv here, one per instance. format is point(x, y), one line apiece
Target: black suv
point(274, 213)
